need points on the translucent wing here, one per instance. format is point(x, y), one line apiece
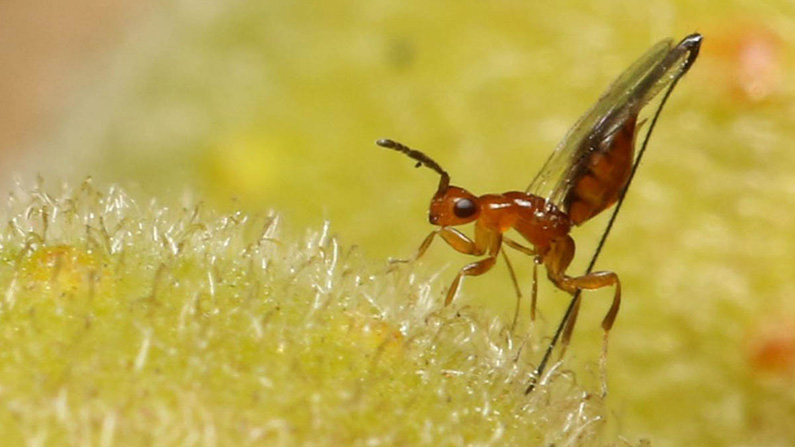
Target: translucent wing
point(608, 125)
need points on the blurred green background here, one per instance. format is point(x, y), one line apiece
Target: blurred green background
point(277, 104)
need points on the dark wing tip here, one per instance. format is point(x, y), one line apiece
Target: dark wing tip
point(691, 44)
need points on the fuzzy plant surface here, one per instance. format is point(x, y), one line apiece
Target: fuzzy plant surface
point(277, 104)
point(126, 323)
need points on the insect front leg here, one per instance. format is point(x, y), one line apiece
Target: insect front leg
point(485, 240)
point(420, 251)
point(454, 238)
point(473, 269)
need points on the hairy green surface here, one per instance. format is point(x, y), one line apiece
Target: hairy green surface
point(278, 103)
point(137, 324)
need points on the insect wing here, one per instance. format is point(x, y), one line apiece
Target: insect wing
point(661, 65)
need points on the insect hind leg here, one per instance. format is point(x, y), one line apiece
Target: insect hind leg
point(593, 281)
point(557, 261)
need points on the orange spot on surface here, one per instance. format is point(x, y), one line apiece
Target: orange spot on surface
point(750, 62)
point(375, 335)
point(772, 349)
point(63, 268)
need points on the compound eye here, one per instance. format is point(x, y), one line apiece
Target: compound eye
point(464, 208)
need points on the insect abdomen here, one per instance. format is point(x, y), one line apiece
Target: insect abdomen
point(602, 175)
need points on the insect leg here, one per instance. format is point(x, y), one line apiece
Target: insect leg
point(420, 251)
point(473, 269)
point(460, 242)
point(534, 291)
point(565, 338)
point(454, 238)
point(556, 261)
point(515, 287)
point(593, 281)
point(519, 247)
point(485, 239)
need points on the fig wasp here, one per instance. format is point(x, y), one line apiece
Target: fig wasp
point(589, 171)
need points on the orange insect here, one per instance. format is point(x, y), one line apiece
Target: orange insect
point(589, 171)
